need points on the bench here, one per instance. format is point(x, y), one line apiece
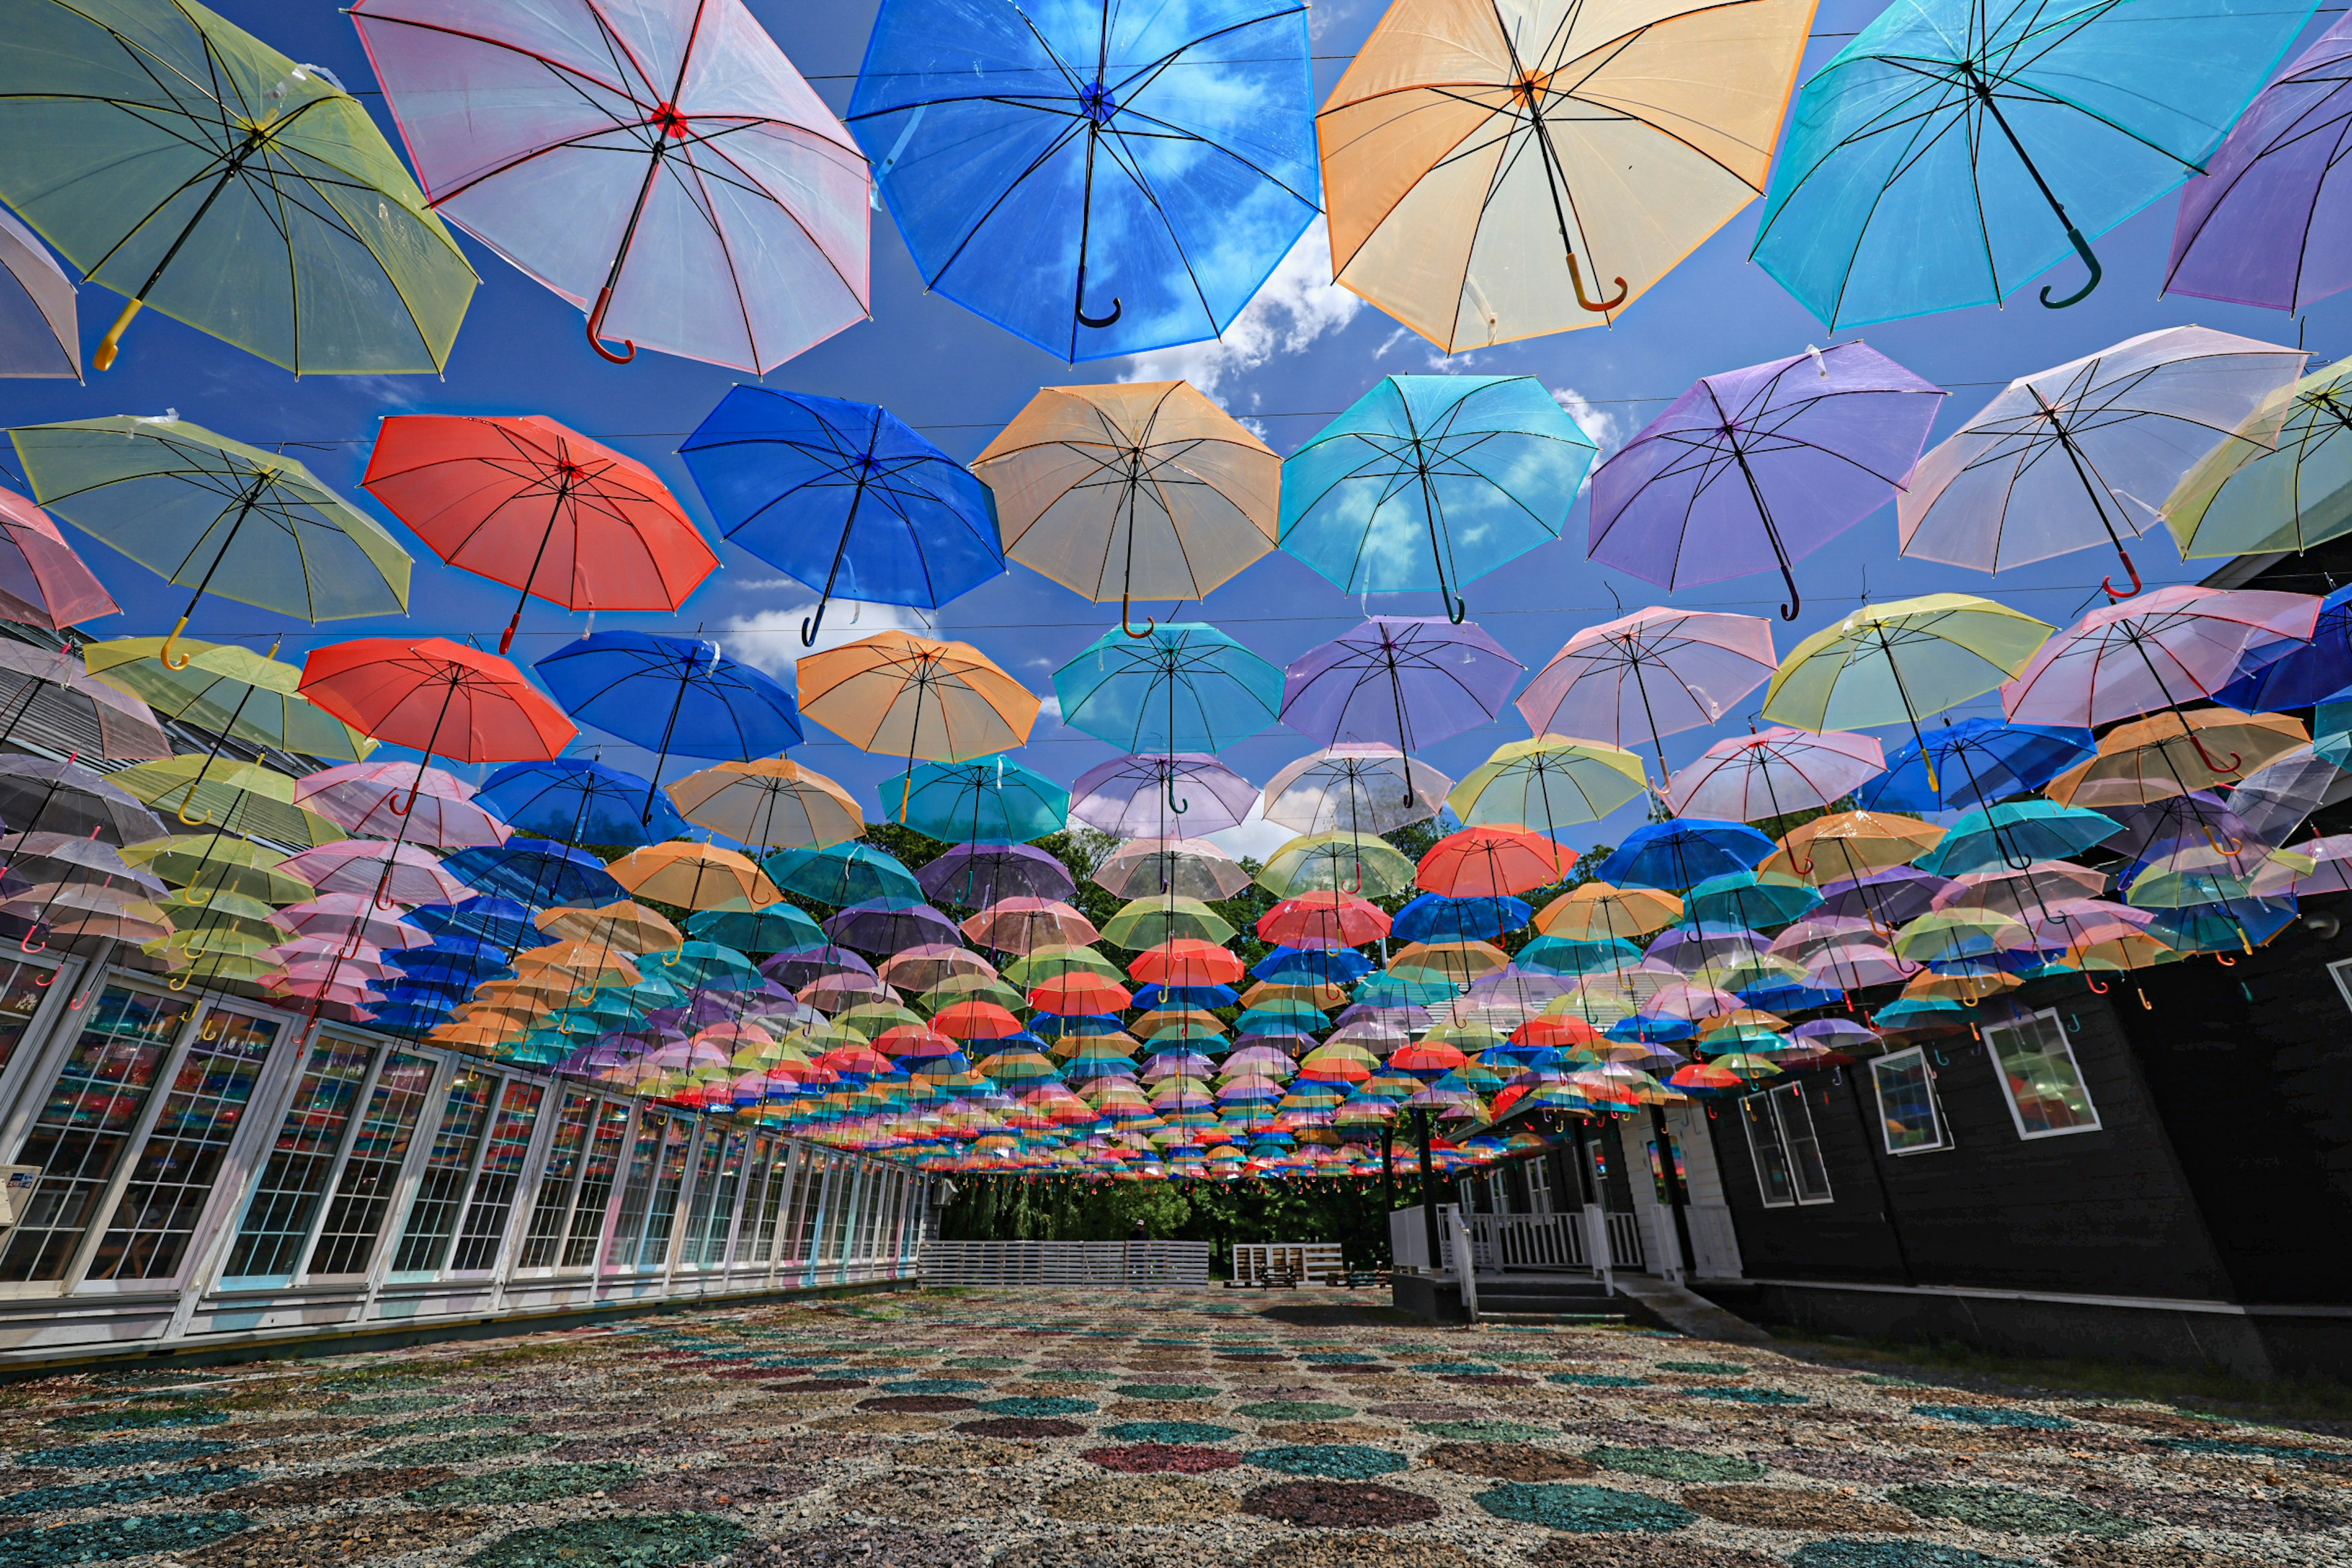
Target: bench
point(1284, 1265)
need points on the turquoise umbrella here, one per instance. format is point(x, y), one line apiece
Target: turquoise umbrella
point(842, 875)
point(1183, 687)
point(778, 928)
point(1955, 148)
point(1740, 901)
point(989, 800)
point(1992, 838)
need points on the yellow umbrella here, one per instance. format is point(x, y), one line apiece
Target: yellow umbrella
point(1147, 923)
point(1549, 784)
point(230, 796)
point(1491, 180)
point(694, 876)
point(1136, 489)
point(772, 800)
point(229, 690)
point(1849, 844)
point(1596, 911)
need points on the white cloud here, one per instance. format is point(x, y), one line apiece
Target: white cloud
point(771, 639)
point(1600, 424)
point(1256, 837)
point(1298, 304)
point(1049, 706)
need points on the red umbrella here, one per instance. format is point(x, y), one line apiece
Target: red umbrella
point(1324, 920)
point(975, 1020)
point(1555, 1031)
point(1080, 994)
point(525, 502)
point(434, 696)
point(1187, 961)
point(1493, 862)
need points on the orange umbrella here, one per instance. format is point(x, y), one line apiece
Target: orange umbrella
point(1493, 862)
point(1598, 912)
point(973, 1021)
point(905, 696)
point(695, 877)
point(770, 800)
point(623, 924)
point(1080, 994)
point(1187, 961)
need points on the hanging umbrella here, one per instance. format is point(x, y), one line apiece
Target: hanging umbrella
point(1954, 149)
point(230, 796)
point(1846, 845)
point(535, 873)
point(972, 875)
point(1600, 910)
point(578, 802)
point(1904, 660)
point(1432, 481)
point(2174, 753)
point(1186, 961)
point(769, 801)
point(403, 873)
point(1154, 922)
point(1401, 680)
point(525, 502)
point(1683, 852)
point(2016, 835)
point(1142, 797)
point(2276, 673)
point(990, 800)
point(625, 925)
point(671, 695)
point(842, 874)
point(359, 798)
point(1473, 153)
point(1137, 489)
point(1759, 467)
point(843, 497)
point(186, 165)
point(2280, 485)
point(1025, 925)
point(39, 335)
point(55, 692)
point(1973, 762)
point(1485, 862)
point(665, 169)
point(1189, 868)
point(436, 698)
point(694, 877)
point(229, 690)
point(778, 928)
point(1344, 862)
point(2078, 455)
point(887, 928)
point(1655, 672)
point(2263, 226)
point(185, 503)
point(1355, 788)
point(912, 697)
point(1096, 179)
point(1183, 687)
point(42, 582)
point(1755, 778)
point(1434, 918)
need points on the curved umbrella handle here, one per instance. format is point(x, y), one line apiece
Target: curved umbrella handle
point(48, 978)
point(1598, 307)
point(2096, 985)
point(1796, 600)
point(2225, 961)
point(1457, 608)
point(1179, 807)
point(2090, 259)
point(1150, 623)
point(29, 945)
point(2207, 757)
point(170, 663)
point(181, 983)
point(812, 624)
point(1117, 307)
point(596, 330)
point(202, 820)
point(2107, 585)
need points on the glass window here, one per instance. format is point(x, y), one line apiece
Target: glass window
point(629, 1224)
point(285, 1200)
point(755, 1198)
point(371, 1169)
point(1770, 1155)
point(1805, 1162)
point(81, 1134)
point(1658, 1170)
point(1787, 1151)
point(173, 1175)
point(777, 1161)
point(706, 1198)
point(2038, 1072)
point(1908, 1117)
point(433, 1213)
point(494, 1186)
point(564, 1159)
point(596, 1186)
point(661, 1215)
point(707, 1242)
point(815, 1181)
point(22, 987)
point(1538, 1175)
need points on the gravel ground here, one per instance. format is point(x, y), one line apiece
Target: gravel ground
point(1049, 1429)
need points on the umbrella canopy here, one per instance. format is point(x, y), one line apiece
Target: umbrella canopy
point(972, 875)
point(1953, 148)
point(198, 509)
point(437, 698)
point(202, 791)
point(57, 692)
point(914, 697)
point(1761, 466)
point(362, 797)
point(1973, 762)
point(844, 874)
point(1168, 917)
point(402, 873)
point(1406, 681)
point(1751, 778)
point(535, 873)
point(1428, 482)
point(1025, 925)
point(1601, 911)
point(2276, 673)
point(1140, 489)
point(42, 582)
point(1190, 867)
point(672, 695)
point(661, 165)
point(1475, 192)
point(2016, 835)
point(1488, 861)
point(1183, 686)
point(843, 497)
point(2174, 753)
point(188, 165)
point(778, 928)
point(991, 800)
point(579, 802)
point(1683, 852)
point(769, 801)
point(227, 689)
point(2157, 650)
point(2246, 497)
point(524, 501)
point(1345, 862)
point(1157, 797)
point(1655, 672)
point(1354, 787)
point(39, 335)
point(2076, 455)
point(1098, 179)
point(1845, 845)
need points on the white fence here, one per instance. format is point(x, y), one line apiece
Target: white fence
point(1518, 1243)
point(1079, 1265)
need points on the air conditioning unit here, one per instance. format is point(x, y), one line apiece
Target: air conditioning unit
point(17, 1184)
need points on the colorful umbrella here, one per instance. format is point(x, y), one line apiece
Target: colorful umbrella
point(2076, 455)
point(42, 582)
point(1485, 862)
point(672, 695)
point(843, 496)
point(1753, 777)
point(1098, 179)
point(39, 335)
point(844, 874)
point(1431, 481)
point(1601, 911)
point(524, 501)
point(1167, 918)
point(57, 692)
point(185, 164)
point(661, 165)
point(912, 697)
point(1845, 845)
point(1346, 862)
point(1355, 788)
point(1183, 686)
point(579, 802)
point(1655, 672)
point(1469, 165)
point(970, 876)
point(1548, 784)
point(991, 800)
point(1190, 867)
point(2247, 497)
point(1955, 148)
point(535, 873)
point(770, 802)
point(1761, 466)
point(1400, 680)
point(362, 798)
point(1142, 797)
point(1973, 762)
point(1025, 925)
point(2172, 753)
point(436, 698)
point(1683, 852)
point(2016, 835)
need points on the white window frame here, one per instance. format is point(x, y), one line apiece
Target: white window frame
point(1943, 1125)
point(2341, 970)
point(2001, 1076)
point(1771, 1101)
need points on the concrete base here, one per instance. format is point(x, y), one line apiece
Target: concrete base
point(1690, 1312)
point(1426, 1296)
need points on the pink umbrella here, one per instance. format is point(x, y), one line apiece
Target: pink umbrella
point(659, 163)
point(1749, 778)
point(327, 968)
point(1129, 796)
point(358, 798)
point(1655, 672)
point(2083, 921)
point(353, 917)
point(2155, 650)
point(2042, 886)
point(398, 873)
point(1856, 966)
point(1799, 943)
point(1689, 1002)
point(1023, 925)
point(42, 581)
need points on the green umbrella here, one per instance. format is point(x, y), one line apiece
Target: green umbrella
point(193, 507)
point(229, 690)
point(182, 163)
point(2250, 496)
point(230, 796)
point(1147, 923)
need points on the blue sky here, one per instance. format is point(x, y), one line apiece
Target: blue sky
point(1303, 352)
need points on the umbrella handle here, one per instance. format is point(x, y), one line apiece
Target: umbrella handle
point(170, 642)
point(1117, 307)
point(596, 330)
point(181, 983)
point(809, 625)
point(1150, 623)
point(1598, 307)
point(198, 821)
point(111, 344)
point(2207, 757)
point(2090, 259)
point(29, 945)
point(48, 978)
point(2096, 985)
point(2107, 585)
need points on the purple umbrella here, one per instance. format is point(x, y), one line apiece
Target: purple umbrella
point(1141, 798)
point(1885, 899)
point(886, 927)
point(972, 875)
point(2267, 225)
point(804, 966)
point(1400, 680)
point(1760, 467)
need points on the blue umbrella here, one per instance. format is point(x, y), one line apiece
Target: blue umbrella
point(1433, 918)
point(1155, 994)
point(2231, 925)
point(2015, 836)
point(487, 921)
point(1100, 179)
point(2286, 674)
point(1683, 852)
point(989, 800)
point(842, 874)
point(1955, 148)
point(1183, 687)
point(1064, 1025)
point(778, 928)
point(1786, 996)
point(1736, 899)
point(1431, 481)
point(1305, 966)
point(535, 873)
point(843, 496)
point(1400, 991)
point(1975, 761)
point(1564, 955)
point(580, 802)
point(671, 695)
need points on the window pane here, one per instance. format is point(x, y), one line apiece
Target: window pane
point(661, 1217)
point(1906, 1102)
point(354, 1215)
point(555, 1183)
point(721, 1210)
point(494, 1188)
point(778, 1160)
point(1657, 1170)
point(706, 1198)
point(20, 997)
point(80, 1135)
point(2037, 1067)
point(755, 1198)
point(1805, 1162)
point(596, 1187)
point(173, 1175)
point(286, 1196)
point(1764, 1146)
point(629, 1224)
point(433, 1213)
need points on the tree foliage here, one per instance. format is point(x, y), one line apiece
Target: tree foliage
point(1345, 1209)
